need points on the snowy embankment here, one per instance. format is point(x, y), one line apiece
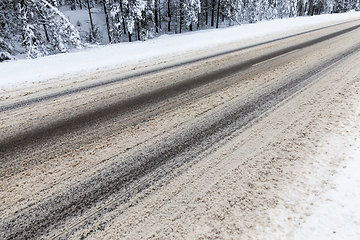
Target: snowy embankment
point(337, 216)
point(21, 72)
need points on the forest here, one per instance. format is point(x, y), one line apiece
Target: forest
point(36, 28)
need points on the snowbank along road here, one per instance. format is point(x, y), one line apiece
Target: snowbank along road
point(201, 147)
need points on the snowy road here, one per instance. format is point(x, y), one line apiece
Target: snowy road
point(207, 149)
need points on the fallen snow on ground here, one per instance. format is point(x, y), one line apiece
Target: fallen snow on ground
point(338, 215)
point(80, 19)
point(22, 72)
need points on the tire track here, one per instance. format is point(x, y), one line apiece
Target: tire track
point(20, 104)
point(35, 220)
point(86, 119)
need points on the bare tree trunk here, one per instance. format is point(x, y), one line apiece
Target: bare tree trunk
point(169, 16)
point(181, 15)
point(206, 12)
point(213, 12)
point(300, 5)
point(176, 21)
point(107, 21)
point(156, 16)
point(138, 30)
point(23, 21)
point(123, 20)
point(80, 4)
point(91, 21)
point(46, 33)
point(310, 5)
point(159, 14)
point(198, 22)
point(218, 14)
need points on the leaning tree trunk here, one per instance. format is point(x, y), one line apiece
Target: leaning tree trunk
point(46, 33)
point(91, 21)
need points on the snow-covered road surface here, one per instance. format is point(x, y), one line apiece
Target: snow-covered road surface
point(230, 147)
point(104, 58)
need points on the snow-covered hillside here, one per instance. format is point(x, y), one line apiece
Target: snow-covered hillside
point(80, 19)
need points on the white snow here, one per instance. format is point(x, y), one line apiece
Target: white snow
point(338, 215)
point(23, 72)
point(80, 19)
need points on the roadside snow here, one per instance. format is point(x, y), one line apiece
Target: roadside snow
point(24, 72)
point(338, 216)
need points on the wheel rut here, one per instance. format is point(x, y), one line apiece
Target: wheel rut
point(160, 159)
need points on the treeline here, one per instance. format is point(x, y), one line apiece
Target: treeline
point(38, 28)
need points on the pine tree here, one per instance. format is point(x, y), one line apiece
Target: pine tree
point(38, 25)
point(64, 35)
point(40, 28)
point(9, 29)
point(191, 9)
point(33, 40)
point(116, 20)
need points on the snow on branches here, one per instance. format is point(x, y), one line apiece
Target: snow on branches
point(39, 26)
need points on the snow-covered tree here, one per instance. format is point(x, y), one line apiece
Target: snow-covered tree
point(116, 20)
point(33, 40)
point(231, 10)
point(37, 25)
point(63, 34)
point(191, 10)
point(146, 25)
point(38, 28)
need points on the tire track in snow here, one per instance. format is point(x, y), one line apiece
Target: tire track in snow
point(35, 220)
point(96, 115)
point(24, 103)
